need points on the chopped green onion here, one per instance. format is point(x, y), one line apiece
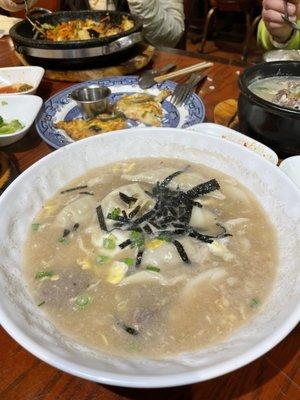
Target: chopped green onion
point(3, 103)
point(35, 226)
point(109, 243)
point(102, 259)
point(41, 304)
point(165, 238)
point(62, 240)
point(82, 300)
point(137, 239)
point(115, 213)
point(254, 303)
point(129, 261)
point(42, 275)
point(134, 346)
point(152, 268)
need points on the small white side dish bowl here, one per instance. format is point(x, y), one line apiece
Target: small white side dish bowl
point(30, 75)
point(291, 167)
point(27, 324)
point(24, 108)
point(236, 137)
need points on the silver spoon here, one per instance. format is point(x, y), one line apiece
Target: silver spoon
point(285, 17)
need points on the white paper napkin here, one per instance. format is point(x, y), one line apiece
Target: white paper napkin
point(6, 23)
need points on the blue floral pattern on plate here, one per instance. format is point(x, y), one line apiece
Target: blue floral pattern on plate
point(61, 107)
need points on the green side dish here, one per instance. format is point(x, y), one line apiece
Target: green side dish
point(10, 127)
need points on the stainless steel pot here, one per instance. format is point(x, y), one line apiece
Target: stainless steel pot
point(76, 53)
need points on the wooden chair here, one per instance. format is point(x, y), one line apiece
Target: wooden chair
point(245, 6)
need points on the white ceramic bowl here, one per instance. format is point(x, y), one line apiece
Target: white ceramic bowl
point(291, 167)
point(30, 75)
point(236, 137)
point(22, 107)
point(25, 322)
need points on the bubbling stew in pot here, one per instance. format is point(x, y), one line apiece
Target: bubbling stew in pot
point(150, 257)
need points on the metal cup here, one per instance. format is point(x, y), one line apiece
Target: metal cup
point(92, 100)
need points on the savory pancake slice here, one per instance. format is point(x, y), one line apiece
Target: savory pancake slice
point(143, 107)
point(80, 128)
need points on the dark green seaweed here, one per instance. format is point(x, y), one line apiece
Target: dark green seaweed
point(127, 243)
point(134, 212)
point(181, 251)
point(139, 258)
point(203, 188)
point(75, 227)
point(73, 189)
point(129, 329)
point(127, 199)
point(88, 193)
point(101, 218)
point(168, 179)
point(66, 233)
point(170, 217)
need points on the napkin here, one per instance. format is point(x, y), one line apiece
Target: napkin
point(6, 23)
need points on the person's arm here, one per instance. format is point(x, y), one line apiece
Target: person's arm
point(163, 20)
point(15, 5)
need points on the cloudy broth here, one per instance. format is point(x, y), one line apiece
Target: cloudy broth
point(131, 263)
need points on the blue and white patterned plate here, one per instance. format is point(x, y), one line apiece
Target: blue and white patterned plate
point(61, 108)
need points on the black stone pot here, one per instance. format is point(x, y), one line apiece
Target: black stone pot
point(75, 53)
point(276, 126)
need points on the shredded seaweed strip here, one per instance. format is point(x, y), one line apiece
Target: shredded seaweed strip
point(73, 189)
point(203, 188)
point(139, 258)
point(101, 218)
point(148, 229)
point(170, 217)
point(75, 226)
point(127, 242)
point(168, 179)
point(129, 329)
point(181, 252)
point(88, 193)
point(224, 233)
point(66, 233)
point(127, 199)
point(134, 212)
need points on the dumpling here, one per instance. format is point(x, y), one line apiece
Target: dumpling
point(108, 243)
point(81, 210)
point(184, 181)
point(202, 218)
point(166, 256)
point(151, 277)
point(207, 276)
point(113, 201)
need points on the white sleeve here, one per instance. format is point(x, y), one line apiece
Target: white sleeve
point(10, 5)
point(163, 20)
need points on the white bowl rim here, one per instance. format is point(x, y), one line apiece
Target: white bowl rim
point(39, 103)
point(150, 381)
point(38, 79)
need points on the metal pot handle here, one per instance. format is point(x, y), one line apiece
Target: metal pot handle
point(38, 11)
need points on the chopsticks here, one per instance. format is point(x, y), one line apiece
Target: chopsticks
point(184, 71)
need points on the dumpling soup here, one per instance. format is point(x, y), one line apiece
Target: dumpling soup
point(150, 257)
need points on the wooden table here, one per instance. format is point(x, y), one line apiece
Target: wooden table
point(24, 377)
